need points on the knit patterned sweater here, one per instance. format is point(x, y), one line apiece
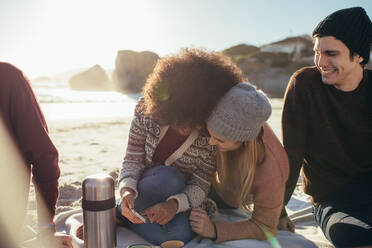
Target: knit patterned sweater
point(195, 159)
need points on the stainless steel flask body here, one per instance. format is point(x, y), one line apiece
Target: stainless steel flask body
point(98, 211)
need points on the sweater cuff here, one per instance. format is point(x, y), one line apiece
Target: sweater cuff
point(183, 202)
point(128, 183)
point(46, 197)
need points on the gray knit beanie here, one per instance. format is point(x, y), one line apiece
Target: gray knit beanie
point(240, 113)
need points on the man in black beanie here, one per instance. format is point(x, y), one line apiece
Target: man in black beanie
point(327, 129)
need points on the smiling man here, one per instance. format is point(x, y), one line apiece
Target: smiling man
point(327, 129)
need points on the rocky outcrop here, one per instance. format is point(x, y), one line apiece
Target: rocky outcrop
point(241, 50)
point(94, 79)
point(270, 69)
point(271, 79)
point(132, 69)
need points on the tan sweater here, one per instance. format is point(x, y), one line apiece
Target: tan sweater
point(266, 194)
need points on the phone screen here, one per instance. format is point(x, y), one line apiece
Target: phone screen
point(139, 216)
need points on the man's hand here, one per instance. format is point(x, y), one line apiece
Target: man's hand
point(201, 223)
point(161, 213)
point(127, 204)
point(286, 224)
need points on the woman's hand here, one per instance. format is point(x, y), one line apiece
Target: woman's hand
point(201, 223)
point(127, 204)
point(161, 213)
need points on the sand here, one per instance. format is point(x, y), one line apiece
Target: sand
point(86, 147)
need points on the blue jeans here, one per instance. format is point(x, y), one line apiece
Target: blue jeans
point(346, 217)
point(155, 186)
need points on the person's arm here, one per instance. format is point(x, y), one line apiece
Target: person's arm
point(197, 187)
point(134, 160)
point(31, 134)
point(294, 130)
point(268, 202)
point(262, 218)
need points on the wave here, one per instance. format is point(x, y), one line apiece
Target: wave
point(62, 103)
point(66, 95)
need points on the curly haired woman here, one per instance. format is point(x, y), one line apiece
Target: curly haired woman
point(169, 164)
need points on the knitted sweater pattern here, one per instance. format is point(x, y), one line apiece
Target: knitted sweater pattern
point(197, 162)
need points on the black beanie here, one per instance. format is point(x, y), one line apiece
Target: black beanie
point(352, 26)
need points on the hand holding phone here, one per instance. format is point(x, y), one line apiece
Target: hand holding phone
point(139, 216)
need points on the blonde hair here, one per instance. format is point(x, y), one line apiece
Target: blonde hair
point(245, 159)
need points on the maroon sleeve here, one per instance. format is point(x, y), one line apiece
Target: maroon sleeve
point(31, 134)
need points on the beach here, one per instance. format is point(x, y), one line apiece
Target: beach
point(94, 143)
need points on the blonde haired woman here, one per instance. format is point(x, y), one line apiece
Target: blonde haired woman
point(252, 167)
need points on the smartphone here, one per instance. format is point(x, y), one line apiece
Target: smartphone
point(139, 216)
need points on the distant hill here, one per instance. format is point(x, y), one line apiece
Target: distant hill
point(241, 50)
point(270, 66)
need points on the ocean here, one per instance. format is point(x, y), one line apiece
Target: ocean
point(59, 102)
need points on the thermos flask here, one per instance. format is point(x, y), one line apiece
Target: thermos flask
point(98, 211)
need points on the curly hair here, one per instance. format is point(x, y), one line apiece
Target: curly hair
point(184, 88)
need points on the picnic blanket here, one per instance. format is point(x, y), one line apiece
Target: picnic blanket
point(307, 234)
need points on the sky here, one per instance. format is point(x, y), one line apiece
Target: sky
point(43, 37)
